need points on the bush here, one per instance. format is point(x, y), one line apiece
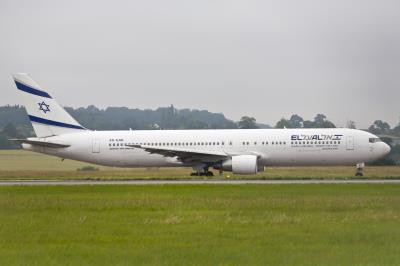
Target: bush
point(87, 168)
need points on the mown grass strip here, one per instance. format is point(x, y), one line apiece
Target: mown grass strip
point(201, 225)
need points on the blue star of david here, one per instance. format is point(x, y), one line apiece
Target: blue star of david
point(44, 107)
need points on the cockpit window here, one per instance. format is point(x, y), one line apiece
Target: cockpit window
point(373, 140)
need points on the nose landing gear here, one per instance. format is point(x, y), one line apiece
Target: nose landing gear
point(360, 169)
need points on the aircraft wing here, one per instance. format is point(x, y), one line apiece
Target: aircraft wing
point(184, 155)
point(40, 143)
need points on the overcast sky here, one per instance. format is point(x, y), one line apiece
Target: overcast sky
point(267, 59)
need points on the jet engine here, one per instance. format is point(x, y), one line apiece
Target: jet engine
point(241, 164)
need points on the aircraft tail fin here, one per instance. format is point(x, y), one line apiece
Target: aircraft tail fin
point(48, 118)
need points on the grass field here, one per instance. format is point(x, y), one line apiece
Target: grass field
point(201, 225)
point(18, 164)
point(347, 224)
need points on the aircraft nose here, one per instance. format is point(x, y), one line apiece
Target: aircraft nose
point(386, 148)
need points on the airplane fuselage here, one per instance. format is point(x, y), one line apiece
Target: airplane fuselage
point(273, 147)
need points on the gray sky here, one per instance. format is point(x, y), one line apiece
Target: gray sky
point(267, 59)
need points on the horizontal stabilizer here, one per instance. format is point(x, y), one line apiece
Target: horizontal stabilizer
point(40, 143)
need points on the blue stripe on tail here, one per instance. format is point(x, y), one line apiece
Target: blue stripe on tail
point(52, 122)
point(31, 90)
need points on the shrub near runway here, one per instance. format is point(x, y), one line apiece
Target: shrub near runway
point(201, 225)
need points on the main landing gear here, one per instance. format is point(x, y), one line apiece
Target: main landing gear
point(202, 172)
point(360, 169)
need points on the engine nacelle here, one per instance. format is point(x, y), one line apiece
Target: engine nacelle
point(241, 164)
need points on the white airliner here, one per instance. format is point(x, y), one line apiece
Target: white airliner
point(242, 151)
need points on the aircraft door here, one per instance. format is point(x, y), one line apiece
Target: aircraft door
point(350, 143)
point(96, 146)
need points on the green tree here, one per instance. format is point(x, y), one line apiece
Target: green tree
point(379, 127)
point(247, 122)
point(296, 121)
point(283, 123)
point(320, 121)
point(320, 118)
